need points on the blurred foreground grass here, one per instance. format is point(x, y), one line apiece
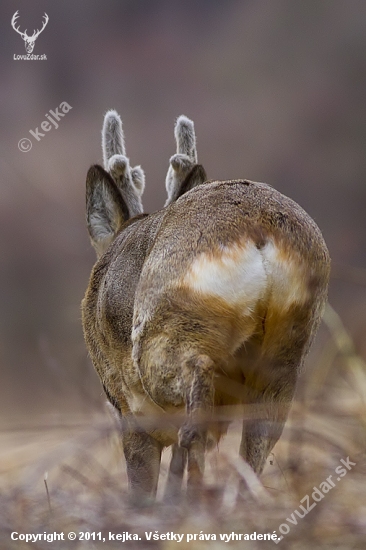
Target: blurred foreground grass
point(86, 485)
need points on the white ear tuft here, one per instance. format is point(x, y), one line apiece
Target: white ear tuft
point(112, 136)
point(185, 137)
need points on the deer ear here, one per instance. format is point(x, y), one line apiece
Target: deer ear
point(195, 176)
point(106, 210)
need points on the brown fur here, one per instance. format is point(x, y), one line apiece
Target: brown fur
point(170, 356)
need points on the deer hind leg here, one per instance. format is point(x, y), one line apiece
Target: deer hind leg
point(198, 375)
point(271, 381)
point(273, 398)
point(176, 471)
point(143, 456)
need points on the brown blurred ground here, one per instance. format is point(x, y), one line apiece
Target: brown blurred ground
point(277, 92)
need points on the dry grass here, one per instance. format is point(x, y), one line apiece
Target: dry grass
point(86, 487)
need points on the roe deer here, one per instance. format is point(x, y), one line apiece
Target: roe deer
point(211, 302)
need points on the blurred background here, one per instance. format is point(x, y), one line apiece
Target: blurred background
point(277, 93)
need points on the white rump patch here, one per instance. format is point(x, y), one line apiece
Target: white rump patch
point(288, 277)
point(242, 275)
point(236, 274)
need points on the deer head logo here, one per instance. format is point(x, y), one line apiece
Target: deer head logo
point(28, 40)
